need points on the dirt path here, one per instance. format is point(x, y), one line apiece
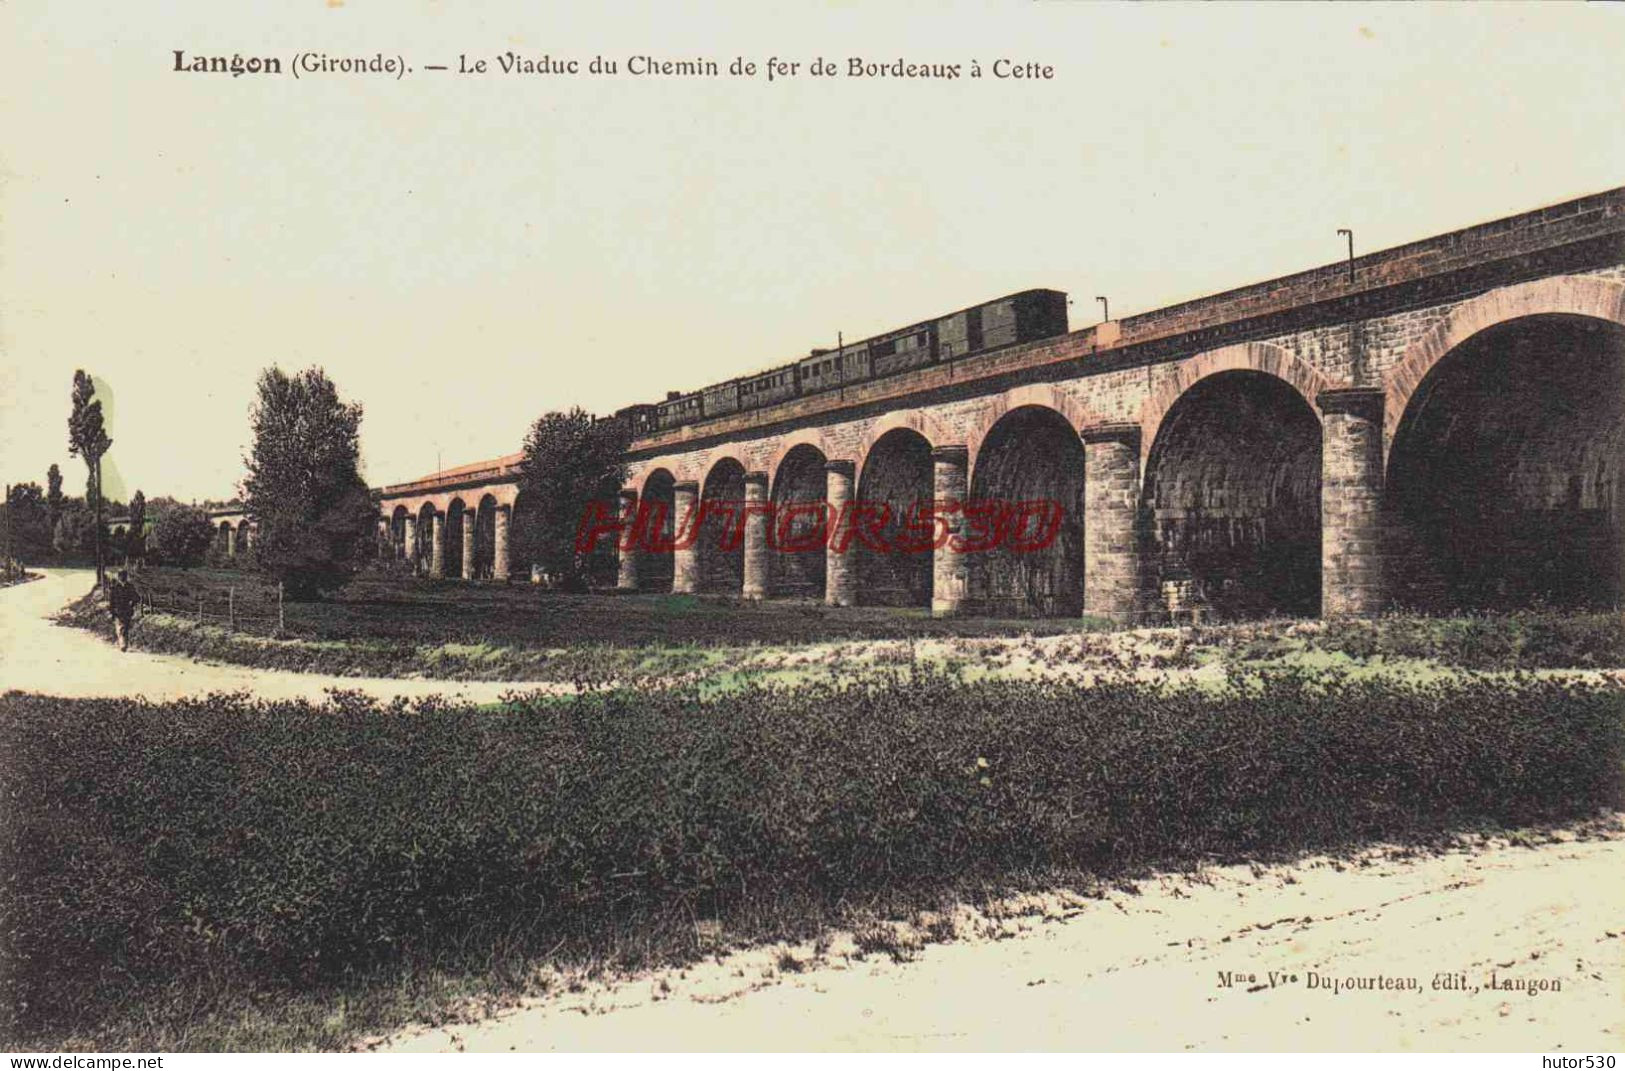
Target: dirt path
point(1142, 972)
point(38, 656)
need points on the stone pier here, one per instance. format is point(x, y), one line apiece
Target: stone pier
point(499, 557)
point(437, 545)
point(626, 576)
point(758, 564)
point(1351, 501)
point(467, 570)
point(685, 555)
point(948, 487)
point(840, 561)
point(1111, 487)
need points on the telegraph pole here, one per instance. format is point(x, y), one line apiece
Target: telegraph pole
point(1345, 232)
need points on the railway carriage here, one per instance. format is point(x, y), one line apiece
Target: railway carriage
point(767, 388)
point(643, 419)
point(721, 399)
point(901, 351)
point(1023, 317)
point(679, 409)
point(855, 367)
point(820, 371)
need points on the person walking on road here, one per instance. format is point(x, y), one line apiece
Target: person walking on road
point(121, 602)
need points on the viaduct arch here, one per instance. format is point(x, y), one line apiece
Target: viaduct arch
point(1231, 489)
point(1504, 432)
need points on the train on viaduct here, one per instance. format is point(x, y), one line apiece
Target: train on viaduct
point(1437, 426)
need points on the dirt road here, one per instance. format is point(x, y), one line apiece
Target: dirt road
point(1146, 972)
point(38, 656)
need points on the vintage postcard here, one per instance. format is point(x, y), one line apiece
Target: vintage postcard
point(875, 527)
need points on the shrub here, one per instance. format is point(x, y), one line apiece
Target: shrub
point(75, 535)
point(286, 843)
point(1528, 639)
point(28, 525)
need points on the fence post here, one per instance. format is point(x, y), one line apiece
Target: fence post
point(281, 622)
point(200, 607)
point(231, 607)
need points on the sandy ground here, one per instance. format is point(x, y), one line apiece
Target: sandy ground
point(1144, 972)
point(38, 656)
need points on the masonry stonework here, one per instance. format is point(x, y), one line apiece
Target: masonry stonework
point(1111, 482)
point(1317, 344)
point(626, 577)
point(437, 559)
point(686, 555)
point(758, 579)
point(949, 466)
point(840, 567)
point(1351, 502)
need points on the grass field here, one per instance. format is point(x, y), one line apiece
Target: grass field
point(521, 615)
point(226, 873)
point(288, 876)
point(401, 626)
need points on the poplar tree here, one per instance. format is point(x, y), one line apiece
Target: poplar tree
point(87, 438)
point(135, 543)
point(53, 493)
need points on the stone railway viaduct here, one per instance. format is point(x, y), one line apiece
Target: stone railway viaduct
point(1439, 425)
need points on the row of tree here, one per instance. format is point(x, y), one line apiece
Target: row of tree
point(36, 528)
point(315, 518)
point(45, 525)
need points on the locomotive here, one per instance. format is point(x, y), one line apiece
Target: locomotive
point(1023, 317)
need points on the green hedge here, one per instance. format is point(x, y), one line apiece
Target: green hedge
point(289, 843)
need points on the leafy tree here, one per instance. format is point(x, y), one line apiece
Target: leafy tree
point(76, 534)
point(135, 543)
point(181, 536)
point(157, 505)
point(53, 493)
point(315, 515)
point(87, 438)
point(25, 496)
point(571, 461)
point(27, 529)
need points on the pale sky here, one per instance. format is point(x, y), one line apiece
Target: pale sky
point(465, 253)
